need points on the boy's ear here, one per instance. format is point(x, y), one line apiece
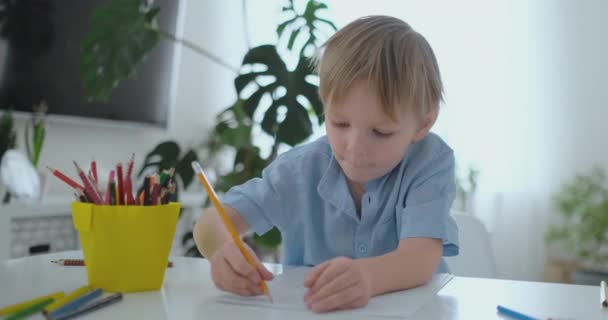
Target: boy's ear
point(427, 123)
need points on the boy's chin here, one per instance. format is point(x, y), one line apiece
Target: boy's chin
point(359, 177)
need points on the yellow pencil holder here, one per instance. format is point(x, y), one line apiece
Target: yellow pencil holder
point(126, 248)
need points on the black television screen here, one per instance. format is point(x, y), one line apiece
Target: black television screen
point(39, 61)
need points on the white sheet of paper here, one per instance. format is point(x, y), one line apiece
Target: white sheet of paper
point(288, 293)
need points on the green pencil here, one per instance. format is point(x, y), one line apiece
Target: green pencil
point(30, 310)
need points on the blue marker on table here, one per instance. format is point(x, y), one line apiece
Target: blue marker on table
point(513, 314)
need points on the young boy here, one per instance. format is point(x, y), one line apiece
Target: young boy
point(367, 205)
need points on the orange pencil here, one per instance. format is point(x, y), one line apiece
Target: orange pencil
point(220, 209)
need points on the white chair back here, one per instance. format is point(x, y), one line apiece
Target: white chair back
point(476, 257)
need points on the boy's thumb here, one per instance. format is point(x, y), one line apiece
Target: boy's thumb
point(264, 273)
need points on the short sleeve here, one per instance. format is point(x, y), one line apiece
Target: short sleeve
point(426, 213)
point(258, 200)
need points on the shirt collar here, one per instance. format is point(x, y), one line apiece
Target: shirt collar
point(333, 187)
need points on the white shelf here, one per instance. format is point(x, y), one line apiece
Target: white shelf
point(60, 206)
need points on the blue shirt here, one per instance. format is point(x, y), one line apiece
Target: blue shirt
point(305, 194)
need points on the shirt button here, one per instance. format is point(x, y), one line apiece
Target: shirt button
point(362, 247)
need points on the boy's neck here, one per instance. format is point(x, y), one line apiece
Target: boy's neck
point(356, 191)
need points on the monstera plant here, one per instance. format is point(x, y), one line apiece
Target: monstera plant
point(123, 32)
point(168, 155)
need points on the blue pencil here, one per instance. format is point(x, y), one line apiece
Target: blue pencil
point(91, 306)
point(513, 314)
point(76, 303)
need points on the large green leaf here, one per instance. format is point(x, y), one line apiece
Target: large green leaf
point(167, 155)
point(296, 125)
point(164, 156)
point(307, 24)
point(121, 34)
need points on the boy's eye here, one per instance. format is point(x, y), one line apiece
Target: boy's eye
point(382, 134)
point(340, 124)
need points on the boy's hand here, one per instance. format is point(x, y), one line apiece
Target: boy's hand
point(231, 272)
point(340, 283)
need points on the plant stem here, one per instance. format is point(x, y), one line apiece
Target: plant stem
point(198, 50)
point(246, 24)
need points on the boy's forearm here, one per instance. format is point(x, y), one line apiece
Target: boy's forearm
point(209, 232)
point(411, 265)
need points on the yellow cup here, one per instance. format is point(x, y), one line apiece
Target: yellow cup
point(126, 248)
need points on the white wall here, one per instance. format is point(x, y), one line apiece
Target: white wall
point(203, 89)
point(525, 102)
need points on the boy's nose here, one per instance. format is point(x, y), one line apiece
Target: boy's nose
point(358, 147)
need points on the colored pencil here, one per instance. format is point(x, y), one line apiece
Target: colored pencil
point(95, 305)
point(113, 193)
point(21, 314)
point(80, 262)
point(130, 165)
point(94, 170)
point(89, 191)
point(155, 193)
point(129, 191)
point(76, 303)
point(60, 302)
point(25, 304)
point(108, 194)
point(65, 179)
point(121, 186)
point(513, 314)
point(147, 191)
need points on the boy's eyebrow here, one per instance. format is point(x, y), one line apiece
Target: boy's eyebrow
point(384, 123)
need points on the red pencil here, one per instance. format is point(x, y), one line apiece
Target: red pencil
point(65, 179)
point(130, 166)
point(129, 192)
point(121, 186)
point(94, 170)
point(80, 262)
point(155, 194)
point(110, 179)
point(89, 190)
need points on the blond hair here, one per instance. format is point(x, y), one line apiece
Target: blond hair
point(385, 51)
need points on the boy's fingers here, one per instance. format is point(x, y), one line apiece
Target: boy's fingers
point(334, 285)
point(240, 265)
point(233, 275)
point(329, 273)
point(313, 275)
point(245, 292)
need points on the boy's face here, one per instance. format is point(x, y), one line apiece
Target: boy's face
point(366, 142)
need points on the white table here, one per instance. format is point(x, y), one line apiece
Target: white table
point(187, 284)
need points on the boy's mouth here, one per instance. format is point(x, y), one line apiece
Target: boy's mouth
point(354, 165)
